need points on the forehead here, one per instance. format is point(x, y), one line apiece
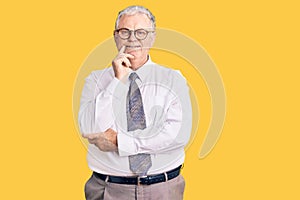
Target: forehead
point(138, 20)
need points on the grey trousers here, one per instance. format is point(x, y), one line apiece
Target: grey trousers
point(96, 189)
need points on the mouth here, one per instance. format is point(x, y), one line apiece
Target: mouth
point(132, 47)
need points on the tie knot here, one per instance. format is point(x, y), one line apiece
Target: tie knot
point(133, 76)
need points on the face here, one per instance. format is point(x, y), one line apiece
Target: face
point(138, 48)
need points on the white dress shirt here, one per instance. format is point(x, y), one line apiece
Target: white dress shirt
point(168, 116)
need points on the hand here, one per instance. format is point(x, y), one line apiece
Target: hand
point(106, 141)
point(121, 64)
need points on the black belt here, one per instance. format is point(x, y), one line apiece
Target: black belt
point(140, 180)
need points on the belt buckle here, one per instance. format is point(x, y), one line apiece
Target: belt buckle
point(139, 179)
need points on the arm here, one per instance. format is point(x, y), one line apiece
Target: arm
point(97, 94)
point(96, 118)
point(170, 129)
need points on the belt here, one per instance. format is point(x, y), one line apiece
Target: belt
point(140, 180)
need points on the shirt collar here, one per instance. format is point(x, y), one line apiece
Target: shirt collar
point(144, 70)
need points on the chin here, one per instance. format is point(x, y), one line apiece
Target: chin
point(135, 53)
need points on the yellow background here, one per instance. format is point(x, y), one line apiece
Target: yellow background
point(255, 45)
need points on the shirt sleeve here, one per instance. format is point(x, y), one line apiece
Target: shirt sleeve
point(170, 129)
point(95, 112)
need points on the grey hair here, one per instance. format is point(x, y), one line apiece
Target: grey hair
point(131, 10)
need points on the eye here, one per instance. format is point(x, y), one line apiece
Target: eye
point(141, 33)
point(124, 32)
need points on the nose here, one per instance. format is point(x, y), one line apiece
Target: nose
point(132, 37)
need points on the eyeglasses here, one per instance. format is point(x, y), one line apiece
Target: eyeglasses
point(139, 34)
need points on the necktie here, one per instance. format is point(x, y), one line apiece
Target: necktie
point(139, 163)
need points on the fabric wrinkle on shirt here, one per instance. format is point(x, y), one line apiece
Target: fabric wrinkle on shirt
point(156, 85)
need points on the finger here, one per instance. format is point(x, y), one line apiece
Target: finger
point(87, 136)
point(127, 55)
point(126, 62)
point(122, 50)
point(92, 136)
point(92, 141)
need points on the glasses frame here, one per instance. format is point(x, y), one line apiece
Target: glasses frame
point(130, 33)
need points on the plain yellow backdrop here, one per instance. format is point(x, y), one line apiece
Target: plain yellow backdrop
point(255, 45)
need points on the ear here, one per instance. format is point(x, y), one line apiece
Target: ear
point(115, 38)
point(116, 42)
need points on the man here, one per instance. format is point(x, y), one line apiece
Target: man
point(136, 116)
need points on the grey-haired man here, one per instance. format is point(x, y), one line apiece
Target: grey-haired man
point(137, 118)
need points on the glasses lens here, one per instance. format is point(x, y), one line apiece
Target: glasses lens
point(141, 34)
point(124, 33)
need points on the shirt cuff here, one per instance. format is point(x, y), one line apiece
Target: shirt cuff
point(126, 144)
